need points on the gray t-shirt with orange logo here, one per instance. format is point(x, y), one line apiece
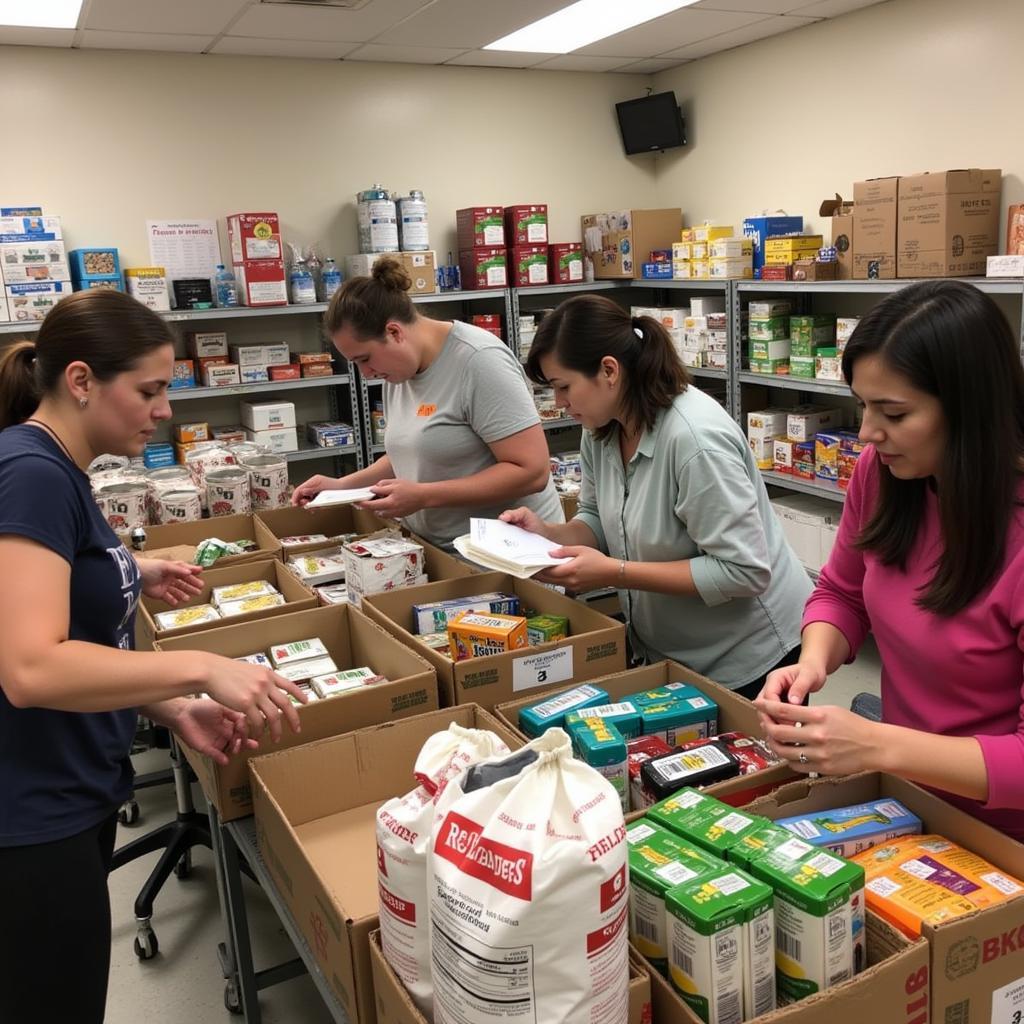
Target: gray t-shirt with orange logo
point(440, 423)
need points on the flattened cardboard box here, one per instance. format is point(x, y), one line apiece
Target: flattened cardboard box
point(734, 715)
point(977, 962)
point(395, 1007)
point(229, 528)
point(596, 644)
point(319, 840)
point(352, 641)
point(298, 597)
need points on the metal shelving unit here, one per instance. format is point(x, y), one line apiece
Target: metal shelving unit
point(184, 394)
point(819, 488)
point(807, 384)
point(308, 451)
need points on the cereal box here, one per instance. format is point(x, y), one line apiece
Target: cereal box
point(848, 831)
point(537, 718)
point(255, 603)
point(186, 616)
point(298, 650)
point(475, 635)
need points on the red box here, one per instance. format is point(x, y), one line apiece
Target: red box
point(526, 224)
point(487, 320)
point(777, 272)
point(202, 364)
point(480, 227)
point(262, 283)
point(286, 371)
point(565, 262)
point(314, 357)
point(317, 370)
point(483, 268)
point(528, 265)
point(254, 236)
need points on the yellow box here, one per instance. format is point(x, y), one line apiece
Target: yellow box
point(785, 259)
point(187, 432)
point(709, 232)
point(686, 235)
point(682, 250)
point(181, 448)
point(476, 635)
point(699, 251)
point(701, 269)
point(682, 270)
point(731, 248)
point(791, 244)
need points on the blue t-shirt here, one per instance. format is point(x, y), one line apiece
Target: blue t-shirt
point(62, 772)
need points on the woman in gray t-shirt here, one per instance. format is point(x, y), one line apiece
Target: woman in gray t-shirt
point(672, 510)
point(463, 436)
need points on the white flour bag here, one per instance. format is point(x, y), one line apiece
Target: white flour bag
point(403, 846)
point(528, 894)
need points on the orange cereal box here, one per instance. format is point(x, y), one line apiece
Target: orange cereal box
point(476, 635)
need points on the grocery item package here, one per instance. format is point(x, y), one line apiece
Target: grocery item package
point(529, 892)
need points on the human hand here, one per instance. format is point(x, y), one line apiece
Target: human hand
point(213, 730)
point(825, 739)
point(396, 498)
point(170, 582)
point(307, 491)
point(259, 693)
point(526, 519)
point(588, 569)
point(793, 683)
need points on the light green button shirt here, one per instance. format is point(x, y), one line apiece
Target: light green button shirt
point(693, 491)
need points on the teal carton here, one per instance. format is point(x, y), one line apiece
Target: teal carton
point(535, 719)
point(625, 715)
point(597, 742)
point(688, 715)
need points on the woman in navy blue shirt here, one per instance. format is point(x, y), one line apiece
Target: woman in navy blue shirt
point(71, 685)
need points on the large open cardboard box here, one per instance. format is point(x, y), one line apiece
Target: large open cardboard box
point(332, 521)
point(627, 238)
point(394, 1006)
point(735, 714)
point(316, 810)
point(298, 597)
point(596, 644)
point(977, 962)
point(229, 528)
point(353, 641)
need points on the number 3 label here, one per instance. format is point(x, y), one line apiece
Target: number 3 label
point(542, 669)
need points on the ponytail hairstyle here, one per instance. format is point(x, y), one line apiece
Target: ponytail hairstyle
point(105, 329)
point(585, 329)
point(366, 304)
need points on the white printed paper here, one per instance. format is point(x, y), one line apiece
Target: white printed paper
point(347, 496)
point(1008, 1003)
point(511, 543)
point(184, 248)
point(542, 669)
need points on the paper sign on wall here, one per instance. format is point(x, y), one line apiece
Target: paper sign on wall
point(184, 248)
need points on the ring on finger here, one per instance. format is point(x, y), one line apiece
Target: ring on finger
point(802, 758)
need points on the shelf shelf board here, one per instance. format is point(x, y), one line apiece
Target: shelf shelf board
point(819, 488)
point(192, 394)
point(772, 380)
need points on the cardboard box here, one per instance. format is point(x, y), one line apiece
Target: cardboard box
point(267, 415)
point(812, 270)
point(254, 236)
point(280, 440)
point(207, 344)
point(760, 228)
point(317, 369)
point(30, 302)
point(28, 225)
point(735, 714)
point(617, 243)
point(977, 961)
point(261, 283)
point(420, 266)
point(480, 227)
point(297, 598)
point(220, 375)
point(528, 265)
point(186, 432)
point(352, 642)
point(229, 528)
point(483, 268)
point(28, 261)
point(1015, 230)
point(948, 223)
point(526, 224)
point(149, 286)
point(596, 644)
point(874, 228)
point(319, 842)
point(395, 1007)
point(841, 214)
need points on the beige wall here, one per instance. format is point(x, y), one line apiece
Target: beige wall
point(898, 88)
point(153, 136)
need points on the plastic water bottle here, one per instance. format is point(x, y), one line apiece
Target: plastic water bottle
point(303, 287)
point(226, 287)
point(330, 279)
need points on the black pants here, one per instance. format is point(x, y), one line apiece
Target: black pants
point(751, 690)
point(55, 929)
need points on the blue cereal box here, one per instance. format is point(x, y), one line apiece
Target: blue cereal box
point(851, 830)
point(760, 228)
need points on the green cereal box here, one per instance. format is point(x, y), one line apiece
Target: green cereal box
point(721, 934)
point(776, 367)
point(802, 366)
point(712, 825)
point(659, 861)
point(597, 742)
point(625, 715)
point(814, 330)
point(768, 328)
point(544, 629)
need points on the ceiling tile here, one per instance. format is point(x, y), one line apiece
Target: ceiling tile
point(654, 37)
point(499, 59)
point(728, 40)
point(187, 17)
point(580, 62)
point(11, 35)
point(244, 46)
point(648, 67)
point(469, 24)
point(277, 21)
point(751, 6)
point(405, 54)
point(94, 40)
point(833, 8)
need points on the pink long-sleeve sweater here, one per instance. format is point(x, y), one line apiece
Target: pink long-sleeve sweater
point(960, 675)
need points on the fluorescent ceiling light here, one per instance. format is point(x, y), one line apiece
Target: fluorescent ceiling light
point(39, 13)
point(583, 23)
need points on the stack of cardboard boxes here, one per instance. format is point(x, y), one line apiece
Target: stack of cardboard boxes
point(712, 252)
point(257, 257)
point(33, 264)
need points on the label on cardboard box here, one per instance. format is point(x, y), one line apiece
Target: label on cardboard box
point(542, 669)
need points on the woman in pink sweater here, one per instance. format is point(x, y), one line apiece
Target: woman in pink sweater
point(930, 558)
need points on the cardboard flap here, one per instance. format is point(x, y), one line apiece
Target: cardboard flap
point(837, 207)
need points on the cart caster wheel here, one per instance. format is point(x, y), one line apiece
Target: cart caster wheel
point(128, 813)
point(232, 1001)
point(184, 866)
point(146, 945)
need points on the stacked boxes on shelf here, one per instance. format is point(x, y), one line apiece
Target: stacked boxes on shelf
point(271, 424)
point(781, 252)
point(710, 252)
point(810, 525)
point(759, 229)
point(526, 235)
point(768, 329)
point(33, 264)
point(257, 257)
point(483, 261)
point(95, 268)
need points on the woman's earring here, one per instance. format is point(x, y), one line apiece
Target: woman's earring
point(83, 402)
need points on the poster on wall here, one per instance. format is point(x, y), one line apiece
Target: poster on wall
point(184, 248)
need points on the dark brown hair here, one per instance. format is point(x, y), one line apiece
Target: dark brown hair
point(366, 304)
point(585, 329)
point(950, 340)
point(105, 329)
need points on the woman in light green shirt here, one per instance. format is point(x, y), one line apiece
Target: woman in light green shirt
point(672, 510)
